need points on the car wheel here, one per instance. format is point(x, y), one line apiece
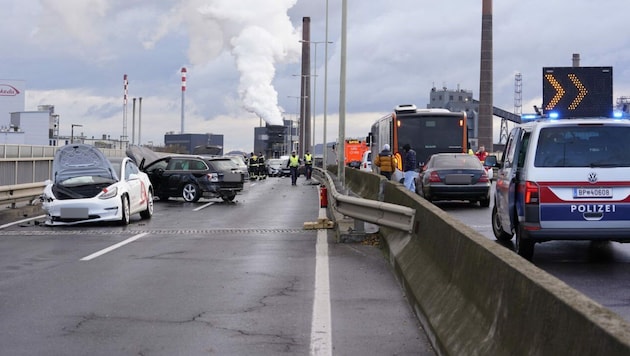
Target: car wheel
point(497, 228)
point(228, 197)
point(524, 246)
point(146, 214)
point(190, 192)
point(124, 204)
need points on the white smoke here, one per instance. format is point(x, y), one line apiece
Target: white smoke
point(258, 33)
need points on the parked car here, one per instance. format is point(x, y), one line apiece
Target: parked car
point(454, 176)
point(89, 187)
point(366, 161)
point(240, 162)
point(564, 179)
point(277, 167)
point(192, 177)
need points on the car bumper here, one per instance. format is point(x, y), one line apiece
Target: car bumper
point(81, 211)
point(458, 193)
point(534, 232)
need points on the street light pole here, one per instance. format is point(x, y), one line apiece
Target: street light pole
point(72, 126)
point(326, 90)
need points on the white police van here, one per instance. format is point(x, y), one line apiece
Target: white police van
point(564, 179)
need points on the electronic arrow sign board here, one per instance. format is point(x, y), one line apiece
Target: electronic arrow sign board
point(578, 91)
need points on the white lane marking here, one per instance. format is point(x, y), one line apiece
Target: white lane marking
point(21, 221)
point(113, 247)
point(321, 333)
point(204, 206)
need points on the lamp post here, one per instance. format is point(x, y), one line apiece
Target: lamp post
point(297, 110)
point(72, 126)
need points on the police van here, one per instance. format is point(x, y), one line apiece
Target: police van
point(564, 179)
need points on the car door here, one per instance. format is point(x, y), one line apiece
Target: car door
point(158, 179)
point(507, 180)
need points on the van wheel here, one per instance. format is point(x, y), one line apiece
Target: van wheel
point(484, 202)
point(524, 246)
point(497, 228)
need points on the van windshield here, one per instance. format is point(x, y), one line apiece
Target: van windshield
point(583, 146)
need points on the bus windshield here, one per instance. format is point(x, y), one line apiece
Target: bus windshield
point(429, 134)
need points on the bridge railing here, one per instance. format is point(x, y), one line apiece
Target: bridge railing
point(25, 168)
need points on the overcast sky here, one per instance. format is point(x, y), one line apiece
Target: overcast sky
point(242, 57)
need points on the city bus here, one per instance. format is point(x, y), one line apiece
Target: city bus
point(427, 131)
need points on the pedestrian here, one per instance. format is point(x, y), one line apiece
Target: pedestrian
point(293, 164)
point(308, 164)
point(262, 168)
point(386, 162)
point(409, 167)
point(253, 166)
point(481, 153)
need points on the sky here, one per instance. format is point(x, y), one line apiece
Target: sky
point(243, 59)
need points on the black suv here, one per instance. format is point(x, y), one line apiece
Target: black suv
point(192, 177)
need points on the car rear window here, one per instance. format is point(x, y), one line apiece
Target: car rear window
point(222, 164)
point(457, 161)
point(583, 146)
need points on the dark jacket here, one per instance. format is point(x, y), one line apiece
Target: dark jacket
point(409, 161)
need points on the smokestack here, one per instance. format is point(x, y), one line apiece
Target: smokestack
point(576, 59)
point(183, 92)
point(305, 88)
point(485, 122)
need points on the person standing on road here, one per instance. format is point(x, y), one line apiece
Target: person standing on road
point(385, 161)
point(409, 167)
point(308, 164)
point(262, 168)
point(253, 166)
point(293, 164)
point(482, 154)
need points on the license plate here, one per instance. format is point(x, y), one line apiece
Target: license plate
point(593, 192)
point(74, 213)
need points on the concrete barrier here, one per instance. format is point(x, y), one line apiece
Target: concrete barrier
point(475, 297)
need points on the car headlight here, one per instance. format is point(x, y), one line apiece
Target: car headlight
point(109, 192)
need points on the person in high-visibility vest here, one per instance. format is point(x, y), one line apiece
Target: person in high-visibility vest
point(262, 168)
point(253, 166)
point(308, 164)
point(293, 164)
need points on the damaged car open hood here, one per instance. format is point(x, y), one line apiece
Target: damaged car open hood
point(81, 160)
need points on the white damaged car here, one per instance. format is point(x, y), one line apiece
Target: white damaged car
point(89, 187)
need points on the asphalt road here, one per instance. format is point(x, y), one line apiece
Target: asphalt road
point(203, 278)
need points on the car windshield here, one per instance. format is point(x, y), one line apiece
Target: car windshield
point(275, 162)
point(456, 161)
point(583, 146)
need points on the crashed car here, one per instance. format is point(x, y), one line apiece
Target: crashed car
point(88, 187)
point(192, 177)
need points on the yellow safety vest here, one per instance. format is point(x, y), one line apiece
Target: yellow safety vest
point(294, 161)
point(308, 158)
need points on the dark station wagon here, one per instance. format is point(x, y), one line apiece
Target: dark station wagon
point(192, 177)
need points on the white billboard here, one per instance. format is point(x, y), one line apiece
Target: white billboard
point(12, 98)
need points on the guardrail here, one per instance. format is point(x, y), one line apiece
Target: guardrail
point(372, 211)
point(20, 192)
